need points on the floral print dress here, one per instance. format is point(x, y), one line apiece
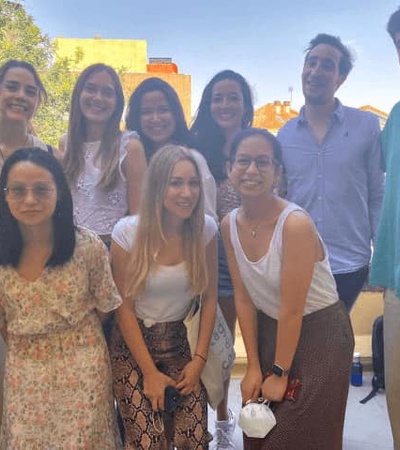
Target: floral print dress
point(58, 385)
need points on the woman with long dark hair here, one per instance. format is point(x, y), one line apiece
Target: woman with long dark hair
point(55, 288)
point(226, 107)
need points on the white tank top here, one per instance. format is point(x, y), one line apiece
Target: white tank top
point(262, 278)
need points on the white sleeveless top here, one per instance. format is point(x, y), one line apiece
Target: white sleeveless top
point(262, 278)
point(95, 207)
point(167, 296)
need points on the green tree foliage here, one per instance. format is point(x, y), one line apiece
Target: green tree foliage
point(51, 120)
point(20, 38)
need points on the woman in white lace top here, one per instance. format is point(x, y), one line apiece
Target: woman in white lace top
point(104, 166)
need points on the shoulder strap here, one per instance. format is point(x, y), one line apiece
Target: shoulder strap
point(50, 149)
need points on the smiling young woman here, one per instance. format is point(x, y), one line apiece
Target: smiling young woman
point(226, 107)
point(161, 259)
point(104, 166)
point(21, 93)
point(288, 308)
point(156, 114)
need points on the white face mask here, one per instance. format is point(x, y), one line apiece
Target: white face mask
point(256, 419)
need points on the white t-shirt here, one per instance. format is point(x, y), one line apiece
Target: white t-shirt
point(167, 296)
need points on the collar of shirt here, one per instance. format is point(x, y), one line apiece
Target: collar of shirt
point(337, 115)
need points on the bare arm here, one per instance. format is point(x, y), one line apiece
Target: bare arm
point(247, 316)
point(135, 166)
point(154, 381)
point(301, 249)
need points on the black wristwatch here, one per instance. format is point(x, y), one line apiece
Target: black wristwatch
point(279, 371)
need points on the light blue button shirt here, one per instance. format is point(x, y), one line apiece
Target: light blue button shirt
point(339, 182)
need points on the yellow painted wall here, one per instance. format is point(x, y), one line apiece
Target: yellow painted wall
point(129, 58)
point(131, 55)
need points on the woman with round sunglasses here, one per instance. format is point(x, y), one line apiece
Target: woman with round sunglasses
point(56, 288)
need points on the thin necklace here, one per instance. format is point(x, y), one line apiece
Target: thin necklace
point(254, 228)
point(254, 231)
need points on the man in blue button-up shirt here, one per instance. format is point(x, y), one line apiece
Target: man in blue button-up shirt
point(332, 156)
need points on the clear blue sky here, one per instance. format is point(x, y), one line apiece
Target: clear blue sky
point(264, 43)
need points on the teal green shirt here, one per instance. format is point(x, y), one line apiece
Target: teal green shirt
point(385, 269)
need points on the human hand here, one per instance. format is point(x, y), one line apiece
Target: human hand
point(154, 386)
point(273, 388)
point(251, 385)
point(190, 376)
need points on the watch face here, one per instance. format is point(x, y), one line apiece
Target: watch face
point(277, 370)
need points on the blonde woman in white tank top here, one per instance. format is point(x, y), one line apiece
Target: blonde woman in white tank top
point(292, 323)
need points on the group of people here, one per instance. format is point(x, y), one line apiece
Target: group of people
point(107, 242)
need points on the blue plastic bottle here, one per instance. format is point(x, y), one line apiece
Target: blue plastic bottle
point(356, 371)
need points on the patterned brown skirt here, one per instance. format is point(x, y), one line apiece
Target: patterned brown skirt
point(145, 429)
point(314, 421)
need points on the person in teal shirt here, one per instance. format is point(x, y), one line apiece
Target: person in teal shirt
point(385, 269)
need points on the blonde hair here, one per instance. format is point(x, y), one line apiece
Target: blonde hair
point(150, 232)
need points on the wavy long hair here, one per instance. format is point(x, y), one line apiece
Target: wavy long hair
point(77, 133)
point(150, 234)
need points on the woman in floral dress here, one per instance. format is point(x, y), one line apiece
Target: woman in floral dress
point(55, 286)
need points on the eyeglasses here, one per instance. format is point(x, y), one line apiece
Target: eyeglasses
point(262, 163)
point(19, 193)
